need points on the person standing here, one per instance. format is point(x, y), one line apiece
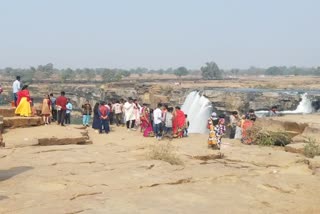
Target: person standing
point(68, 112)
point(53, 108)
point(129, 114)
point(46, 109)
point(96, 117)
point(61, 104)
point(117, 109)
point(86, 113)
point(157, 120)
point(168, 122)
point(15, 90)
point(104, 113)
point(234, 119)
point(23, 102)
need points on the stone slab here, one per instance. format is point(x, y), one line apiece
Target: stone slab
point(295, 148)
point(63, 141)
point(7, 112)
point(21, 122)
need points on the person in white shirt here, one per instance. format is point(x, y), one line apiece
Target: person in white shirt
point(129, 107)
point(16, 89)
point(157, 120)
point(68, 112)
point(117, 109)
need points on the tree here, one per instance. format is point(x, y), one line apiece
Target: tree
point(66, 74)
point(234, 72)
point(274, 70)
point(125, 73)
point(181, 71)
point(109, 75)
point(211, 71)
point(317, 71)
point(90, 74)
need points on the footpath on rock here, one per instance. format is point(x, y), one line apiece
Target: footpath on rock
point(116, 173)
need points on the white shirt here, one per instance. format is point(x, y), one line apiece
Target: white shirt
point(69, 108)
point(16, 86)
point(129, 111)
point(157, 116)
point(117, 108)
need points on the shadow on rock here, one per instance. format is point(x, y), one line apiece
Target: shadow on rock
point(9, 173)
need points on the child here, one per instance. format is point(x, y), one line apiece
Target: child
point(168, 122)
point(186, 126)
point(220, 130)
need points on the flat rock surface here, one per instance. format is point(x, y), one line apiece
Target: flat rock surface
point(115, 175)
point(23, 137)
point(21, 122)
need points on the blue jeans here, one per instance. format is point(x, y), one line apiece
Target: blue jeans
point(104, 124)
point(85, 119)
point(157, 129)
point(15, 98)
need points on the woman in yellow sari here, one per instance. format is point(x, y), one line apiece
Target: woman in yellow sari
point(23, 102)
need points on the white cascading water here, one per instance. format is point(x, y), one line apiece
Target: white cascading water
point(304, 107)
point(198, 108)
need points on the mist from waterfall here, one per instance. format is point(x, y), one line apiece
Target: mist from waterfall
point(198, 108)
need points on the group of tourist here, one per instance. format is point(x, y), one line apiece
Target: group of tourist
point(239, 127)
point(163, 121)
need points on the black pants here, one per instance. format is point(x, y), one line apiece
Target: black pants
point(68, 118)
point(232, 132)
point(61, 116)
point(111, 117)
point(132, 123)
point(54, 114)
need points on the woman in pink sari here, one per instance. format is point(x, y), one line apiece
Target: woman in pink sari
point(146, 125)
point(179, 120)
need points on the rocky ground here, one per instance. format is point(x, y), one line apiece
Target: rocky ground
point(116, 175)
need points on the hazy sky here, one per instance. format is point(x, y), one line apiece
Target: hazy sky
point(159, 34)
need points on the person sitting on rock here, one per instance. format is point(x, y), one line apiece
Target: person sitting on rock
point(273, 111)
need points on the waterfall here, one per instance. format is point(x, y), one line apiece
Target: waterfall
point(198, 108)
point(304, 107)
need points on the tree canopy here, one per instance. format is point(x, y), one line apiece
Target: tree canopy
point(211, 71)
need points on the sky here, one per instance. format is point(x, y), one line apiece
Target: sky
point(159, 34)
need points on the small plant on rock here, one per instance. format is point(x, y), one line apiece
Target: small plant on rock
point(312, 148)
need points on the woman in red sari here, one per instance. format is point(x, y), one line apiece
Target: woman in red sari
point(146, 125)
point(178, 122)
point(23, 102)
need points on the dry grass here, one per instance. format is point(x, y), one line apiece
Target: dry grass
point(312, 148)
point(164, 152)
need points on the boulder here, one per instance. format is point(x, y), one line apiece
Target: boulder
point(298, 139)
point(63, 141)
point(295, 148)
point(21, 122)
point(314, 163)
point(7, 112)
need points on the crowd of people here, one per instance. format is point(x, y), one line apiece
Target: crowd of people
point(163, 121)
point(238, 126)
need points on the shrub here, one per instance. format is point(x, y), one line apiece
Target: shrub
point(312, 148)
point(164, 152)
point(268, 138)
